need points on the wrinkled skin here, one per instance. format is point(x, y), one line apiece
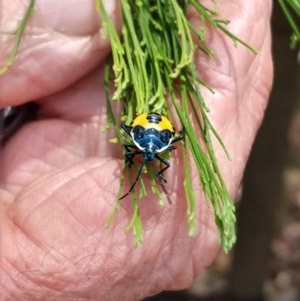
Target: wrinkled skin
point(59, 175)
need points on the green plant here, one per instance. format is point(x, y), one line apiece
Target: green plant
point(152, 61)
point(18, 33)
point(291, 10)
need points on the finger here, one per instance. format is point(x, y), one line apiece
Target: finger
point(70, 129)
point(241, 81)
point(53, 52)
point(84, 101)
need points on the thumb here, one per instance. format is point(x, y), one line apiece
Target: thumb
point(58, 47)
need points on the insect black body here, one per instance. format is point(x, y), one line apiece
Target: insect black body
point(151, 134)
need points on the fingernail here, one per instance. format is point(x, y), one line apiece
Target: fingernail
point(75, 18)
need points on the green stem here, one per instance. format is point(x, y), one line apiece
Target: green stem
point(18, 33)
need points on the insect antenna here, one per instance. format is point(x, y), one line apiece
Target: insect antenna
point(136, 179)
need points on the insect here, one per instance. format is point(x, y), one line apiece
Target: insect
point(152, 134)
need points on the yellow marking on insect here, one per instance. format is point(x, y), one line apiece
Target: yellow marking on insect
point(153, 120)
point(165, 124)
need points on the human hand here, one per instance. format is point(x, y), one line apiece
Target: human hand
point(59, 175)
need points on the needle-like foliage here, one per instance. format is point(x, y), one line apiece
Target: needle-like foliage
point(152, 68)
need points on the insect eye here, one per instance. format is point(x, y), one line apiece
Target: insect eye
point(138, 132)
point(165, 136)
